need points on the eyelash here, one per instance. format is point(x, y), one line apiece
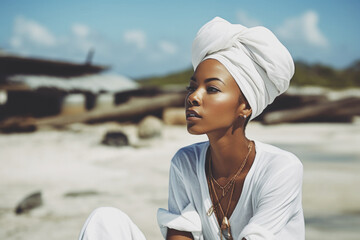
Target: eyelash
point(190, 89)
point(213, 89)
point(209, 89)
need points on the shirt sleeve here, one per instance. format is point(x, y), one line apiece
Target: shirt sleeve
point(278, 202)
point(181, 215)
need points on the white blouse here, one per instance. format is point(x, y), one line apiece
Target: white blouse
point(269, 206)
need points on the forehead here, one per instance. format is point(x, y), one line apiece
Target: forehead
point(211, 68)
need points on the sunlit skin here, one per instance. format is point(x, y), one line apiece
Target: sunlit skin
point(216, 107)
point(215, 96)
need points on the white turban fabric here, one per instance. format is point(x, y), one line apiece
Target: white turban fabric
point(261, 66)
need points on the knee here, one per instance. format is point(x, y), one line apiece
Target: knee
point(109, 223)
point(109, 214)
point(105, 221)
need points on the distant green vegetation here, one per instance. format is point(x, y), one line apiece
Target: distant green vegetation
point(325, 76)
point(178, 78)
point(305, 75)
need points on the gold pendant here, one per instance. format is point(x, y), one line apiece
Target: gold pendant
point(210, 211)
point(225, 229)
point(225, 223)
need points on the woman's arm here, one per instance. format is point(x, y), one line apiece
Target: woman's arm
point(173, 234)
point(182, 214)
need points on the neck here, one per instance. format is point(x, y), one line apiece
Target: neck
point(228, 151)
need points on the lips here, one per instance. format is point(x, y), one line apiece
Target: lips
point(191, 114)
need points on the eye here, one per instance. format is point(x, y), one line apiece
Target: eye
point(212, 90)
point(190, 88)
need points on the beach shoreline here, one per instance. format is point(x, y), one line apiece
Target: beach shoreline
point(77, 174)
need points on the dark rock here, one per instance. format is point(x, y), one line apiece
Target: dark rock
point(115, 138)
point(30, 202)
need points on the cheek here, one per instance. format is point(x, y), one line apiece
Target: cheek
point(223, 106)
point(186, 103)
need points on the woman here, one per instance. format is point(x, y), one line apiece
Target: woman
point(231, 187)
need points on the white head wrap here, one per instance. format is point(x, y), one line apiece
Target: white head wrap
point(261, 66)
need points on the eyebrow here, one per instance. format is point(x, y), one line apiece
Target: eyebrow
point(208, 80)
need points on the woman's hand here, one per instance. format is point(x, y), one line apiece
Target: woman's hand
point(173, 234)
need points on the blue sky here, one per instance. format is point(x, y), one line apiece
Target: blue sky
point(142, 38)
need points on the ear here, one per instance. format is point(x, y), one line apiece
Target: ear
point(244, 111)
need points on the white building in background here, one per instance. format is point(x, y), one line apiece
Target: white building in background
point(40, 87)
point(94, 83)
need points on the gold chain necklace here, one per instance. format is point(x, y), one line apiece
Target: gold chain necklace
point(225, 224)
point(232, 180)
point(225, 189)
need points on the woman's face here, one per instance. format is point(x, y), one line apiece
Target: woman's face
point(212, 103)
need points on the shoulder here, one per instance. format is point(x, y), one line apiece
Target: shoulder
point(274, 162)
point(278, 171)
point(190, 153)
point(188, 157)
point(275, 157)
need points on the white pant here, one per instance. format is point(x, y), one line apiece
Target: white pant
point(107, 223)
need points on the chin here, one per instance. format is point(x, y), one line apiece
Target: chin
point(192, 130)
point(195, 133)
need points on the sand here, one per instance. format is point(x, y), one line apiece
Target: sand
point(70, 161)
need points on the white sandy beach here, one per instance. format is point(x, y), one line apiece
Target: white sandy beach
point(135, 179)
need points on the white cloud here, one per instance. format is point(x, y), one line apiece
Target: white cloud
point(32, 38)
point(245, 20)
point(29, 31)
point(168, 47)
point(83, 37)
point(303, 29)
point(136, 37)
point(80, 30)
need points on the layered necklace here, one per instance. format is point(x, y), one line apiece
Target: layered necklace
point(230, 185)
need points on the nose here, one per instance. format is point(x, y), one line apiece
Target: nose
point(193, 99)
